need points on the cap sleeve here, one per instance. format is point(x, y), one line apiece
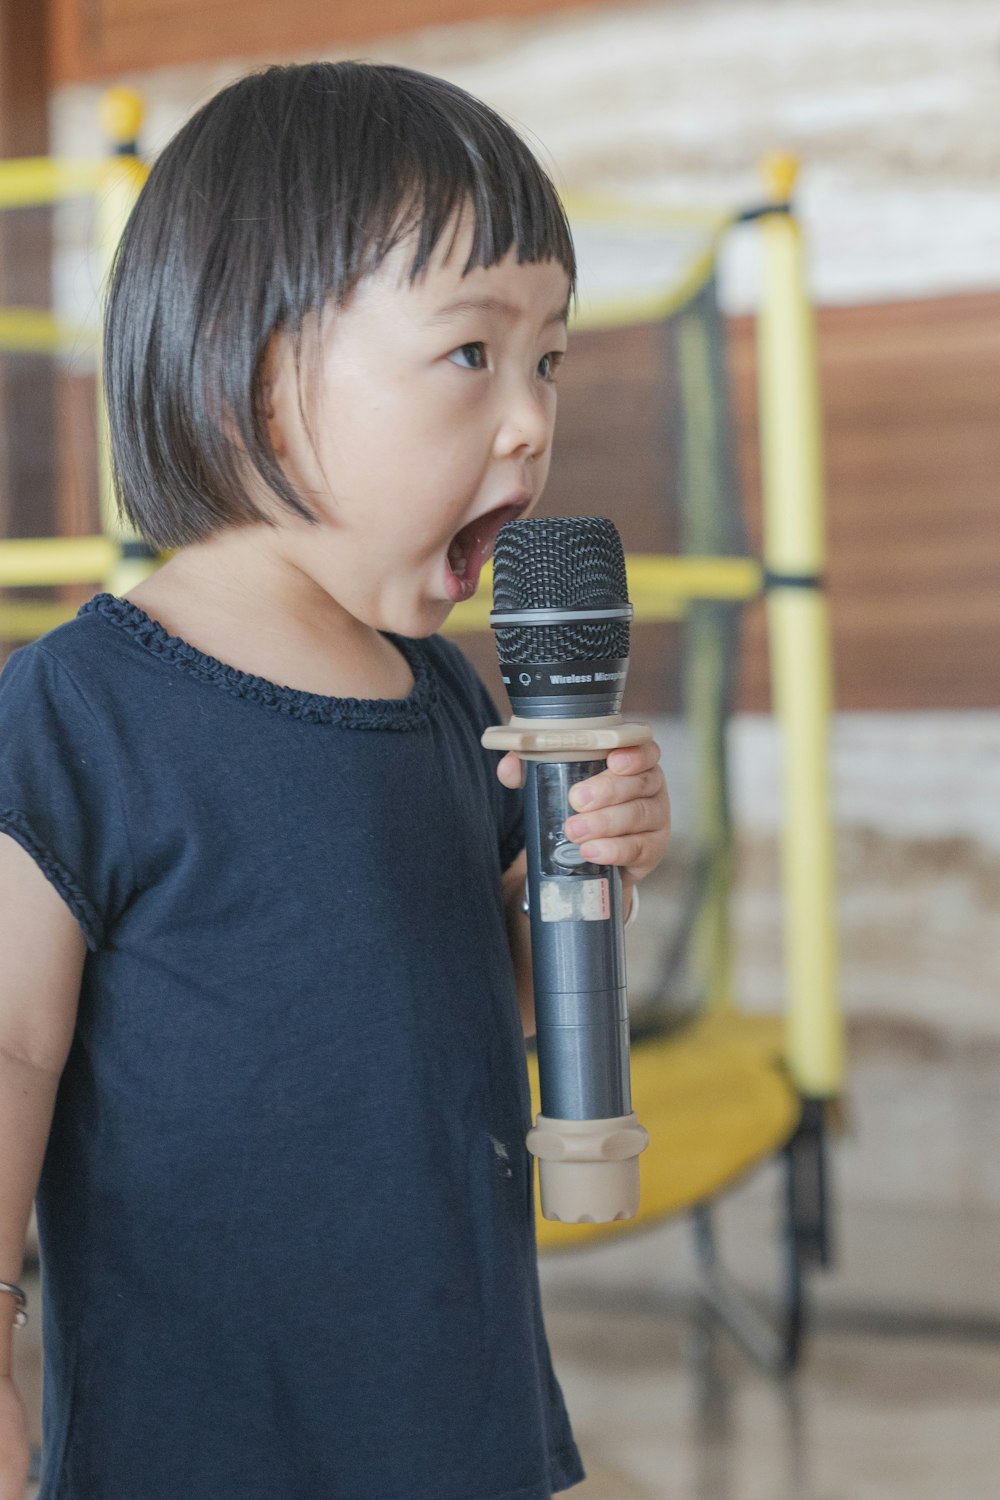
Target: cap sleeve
point(60, 793)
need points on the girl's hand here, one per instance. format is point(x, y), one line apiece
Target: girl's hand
point(622, 815)
point(15, 1452)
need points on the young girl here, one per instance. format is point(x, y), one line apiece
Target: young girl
point(259, 884)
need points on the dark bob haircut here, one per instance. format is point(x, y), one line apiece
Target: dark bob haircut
point(274, 200)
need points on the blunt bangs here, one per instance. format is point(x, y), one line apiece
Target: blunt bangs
point(273, 201)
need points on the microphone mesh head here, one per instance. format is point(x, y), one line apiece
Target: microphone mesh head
point(560, 562)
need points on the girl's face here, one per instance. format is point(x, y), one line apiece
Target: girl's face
point(423, 424)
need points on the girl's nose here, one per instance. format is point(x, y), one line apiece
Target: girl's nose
point(527, 422)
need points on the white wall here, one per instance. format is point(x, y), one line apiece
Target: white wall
point(894, 106)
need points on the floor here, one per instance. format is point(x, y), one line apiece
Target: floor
point(868, 1419)
point(898, 1394)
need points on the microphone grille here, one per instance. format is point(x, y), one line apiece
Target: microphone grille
point(561, 562)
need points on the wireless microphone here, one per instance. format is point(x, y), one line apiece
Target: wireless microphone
point(561, 615)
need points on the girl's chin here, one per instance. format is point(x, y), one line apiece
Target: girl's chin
point(421, 621)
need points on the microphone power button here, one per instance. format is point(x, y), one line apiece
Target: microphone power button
point(568, 855)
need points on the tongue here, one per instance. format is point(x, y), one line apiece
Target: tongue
point(468, 552)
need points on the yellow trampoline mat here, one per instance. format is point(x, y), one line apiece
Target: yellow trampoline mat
point(715, 1099)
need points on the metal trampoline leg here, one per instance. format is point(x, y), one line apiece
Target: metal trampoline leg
point(774, 1343)
point(808, 1186)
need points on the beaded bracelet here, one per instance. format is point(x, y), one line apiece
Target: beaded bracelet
point(21, 1316)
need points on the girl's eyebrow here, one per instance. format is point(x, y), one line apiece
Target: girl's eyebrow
point(493, 305)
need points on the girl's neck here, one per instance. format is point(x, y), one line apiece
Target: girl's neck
point(237, 598)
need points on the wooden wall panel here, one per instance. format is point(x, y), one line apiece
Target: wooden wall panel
point(95, 39)
point(27, 387)
point(911, 395)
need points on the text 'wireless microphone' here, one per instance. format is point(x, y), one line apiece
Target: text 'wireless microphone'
point(561, 616)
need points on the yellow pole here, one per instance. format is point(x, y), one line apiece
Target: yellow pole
point(121, 117)
point(798, 624)
point(706, 648)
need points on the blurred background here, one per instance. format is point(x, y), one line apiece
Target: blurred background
point(893, 110)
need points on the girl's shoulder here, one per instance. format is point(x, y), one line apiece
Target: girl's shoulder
point(63, 695)
point(49, 667)
point(60, 772)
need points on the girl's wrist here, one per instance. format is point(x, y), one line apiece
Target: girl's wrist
point(7, 1310)
point(630, 903)
point(13, 1304)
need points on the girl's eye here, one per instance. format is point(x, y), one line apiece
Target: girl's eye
point(470, 356)
point(549, 364)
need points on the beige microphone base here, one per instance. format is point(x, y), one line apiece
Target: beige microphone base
point(588, 1170)
point(565, 739)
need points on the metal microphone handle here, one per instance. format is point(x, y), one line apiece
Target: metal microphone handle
point(577, 957)
point(586, 1137)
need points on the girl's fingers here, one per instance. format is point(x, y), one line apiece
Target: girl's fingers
point(629, 773)
point(643, 815)
point(637, 856)
point(622, 814)
point(633, 758)
point(510, 770)
point(633, 853)
point(606, 789)
point(636, 767)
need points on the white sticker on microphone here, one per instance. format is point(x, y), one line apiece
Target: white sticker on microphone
point(575, 900)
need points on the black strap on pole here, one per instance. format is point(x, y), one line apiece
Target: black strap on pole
point(773, 580)
point(764, 211)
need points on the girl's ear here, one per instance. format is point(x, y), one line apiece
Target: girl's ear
point(273, 378)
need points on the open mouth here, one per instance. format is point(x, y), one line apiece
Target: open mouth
point(471, 546)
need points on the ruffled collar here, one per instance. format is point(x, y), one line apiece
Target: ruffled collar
point(315, 708)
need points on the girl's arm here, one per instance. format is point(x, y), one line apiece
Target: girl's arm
point(42, 951)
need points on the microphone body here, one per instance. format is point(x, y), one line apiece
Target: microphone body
point(561, 613)
point(578, 957)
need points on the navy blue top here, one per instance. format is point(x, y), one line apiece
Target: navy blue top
point(286, 1209)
